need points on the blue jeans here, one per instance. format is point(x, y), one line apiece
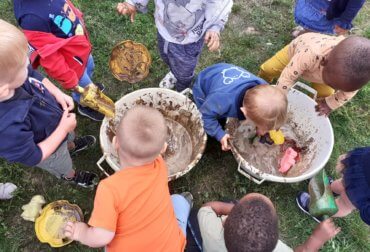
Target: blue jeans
point(182, 60)
point(85, 78)
point(182, 210)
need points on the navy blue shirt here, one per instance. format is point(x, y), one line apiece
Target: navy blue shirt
point(27, 118)
point(51, 16)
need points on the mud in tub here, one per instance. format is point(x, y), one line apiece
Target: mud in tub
point(308, 135)
point(186, 136)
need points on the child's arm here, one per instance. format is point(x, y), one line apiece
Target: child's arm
point(220, 208)
point(216, 15)
point(64, 100)
point(131, 6)
point(91, 236)
point(325, 231)
point(49, 145)
point(298, 64)
point(339, 98)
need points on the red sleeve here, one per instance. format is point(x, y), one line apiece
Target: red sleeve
point(57, 68)
point(105, 213)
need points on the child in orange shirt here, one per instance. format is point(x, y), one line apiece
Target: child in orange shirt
point(133, 209)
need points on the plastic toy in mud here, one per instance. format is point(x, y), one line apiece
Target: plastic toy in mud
point(322, 201)
point(288, 160)
point(186, 138)
point(32, 210)
point(277, 136)
point(130, 61)
point(315, 134)
point(49, 226)
point(92, 97)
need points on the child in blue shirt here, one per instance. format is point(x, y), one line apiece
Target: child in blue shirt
point(36, 121)
point(225, 90)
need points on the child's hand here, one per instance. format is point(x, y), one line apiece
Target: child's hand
point(73, 230)
point(65, 101)
point(325, 231)
point(212, 39)
point(339, 30)
point(322, 107)
point(127, 9)
point(68, 121)
point(225, 142)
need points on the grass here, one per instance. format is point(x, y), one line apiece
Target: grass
point(215, 177)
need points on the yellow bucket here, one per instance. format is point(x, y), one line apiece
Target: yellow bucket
point(49, 226)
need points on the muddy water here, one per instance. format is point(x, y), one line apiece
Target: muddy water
point(266, 157)
point(179, 149)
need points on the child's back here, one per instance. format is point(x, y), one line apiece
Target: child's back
point(143, 216)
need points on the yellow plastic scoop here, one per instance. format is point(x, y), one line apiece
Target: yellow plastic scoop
point(92, 97)
point(49, 226)
point(277, 136)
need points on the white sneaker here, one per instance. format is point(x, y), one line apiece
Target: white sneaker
point(6, 190)
point(169, 81)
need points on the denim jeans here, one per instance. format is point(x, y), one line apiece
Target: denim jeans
point(182, 210)
point(85, 78)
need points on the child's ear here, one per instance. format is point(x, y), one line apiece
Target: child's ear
point(164, 148)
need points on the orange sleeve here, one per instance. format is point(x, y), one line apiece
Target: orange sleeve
point(301, 61)
point(104, 214)
point(339, 98)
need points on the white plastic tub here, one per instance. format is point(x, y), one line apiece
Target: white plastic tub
point(302, 110)
point(173, 105)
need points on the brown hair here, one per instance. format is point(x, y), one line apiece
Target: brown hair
point(252, 226)
point(13, 51)
point(266, 105)
point(347, 67)
point(142, 133)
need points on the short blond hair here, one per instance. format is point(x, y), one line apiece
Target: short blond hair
point(142, 133)
point(266, 105)
point(13, 51)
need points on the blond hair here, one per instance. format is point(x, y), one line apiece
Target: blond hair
point(13, 51)
point(142, 133)
point(266, 106)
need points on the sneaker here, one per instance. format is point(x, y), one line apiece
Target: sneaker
point(168, 81)
point(84, 179)
point(303, 202)
point(83, 143)
point(7, 190)
point(189, 198)
point(100, 86)
point(90, 113)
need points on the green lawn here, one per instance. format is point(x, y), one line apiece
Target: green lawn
point(215, 177)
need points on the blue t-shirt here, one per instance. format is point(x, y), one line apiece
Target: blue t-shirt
point(51, 16)
point(28, 118)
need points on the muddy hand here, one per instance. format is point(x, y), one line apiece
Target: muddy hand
point(212, 39)
point(127, 9)
point(322, 107)
point(225, 146)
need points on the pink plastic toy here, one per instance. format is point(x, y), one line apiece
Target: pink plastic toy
point(288, 160)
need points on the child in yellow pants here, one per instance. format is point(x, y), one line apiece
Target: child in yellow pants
point(338, 62)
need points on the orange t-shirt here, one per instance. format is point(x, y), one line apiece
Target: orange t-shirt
point(135, 203)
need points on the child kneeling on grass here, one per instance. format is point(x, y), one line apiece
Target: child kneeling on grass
point(337, 67)
point(353, 188)
point(36, 123)
point(251, 225)
point(224, 90)
point(133, 209)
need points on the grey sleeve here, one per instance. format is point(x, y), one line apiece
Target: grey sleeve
point(140, 5)
point(217, 13)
